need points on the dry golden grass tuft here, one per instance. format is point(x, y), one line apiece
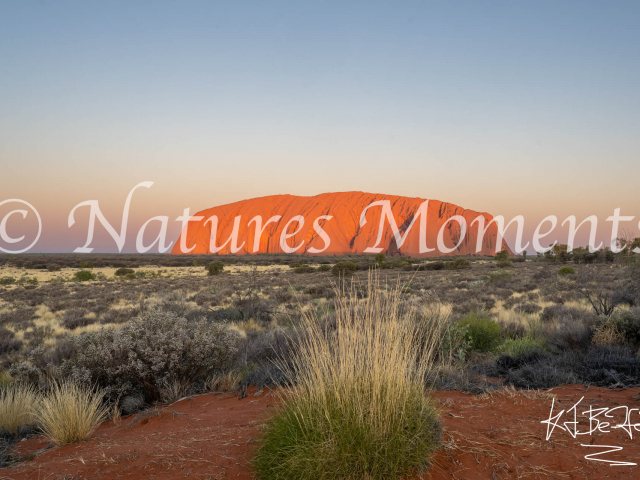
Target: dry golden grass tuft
point(18, 406)
point(225, 382)
point(175, 390)
point(247, 326)
point(69, 412)
point(608, 334)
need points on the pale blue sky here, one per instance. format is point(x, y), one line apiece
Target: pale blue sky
point(508, 107)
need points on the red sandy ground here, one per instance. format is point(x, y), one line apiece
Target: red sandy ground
point(494, 436)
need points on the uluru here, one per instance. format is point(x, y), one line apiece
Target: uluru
point(334, 224)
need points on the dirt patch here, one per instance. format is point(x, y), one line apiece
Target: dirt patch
point(499, 435)
point(492, 436)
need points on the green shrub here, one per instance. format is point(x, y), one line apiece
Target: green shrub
point(458, 264)
point(54, 267)
point(515, 347)
point(500, 277)
point(304, 269)
point(502, 255)
point(123, 272)
point(324, 268)
point(483, 334)
point(395, 262)
point(455, 342)
point(344, 268)
point(150, 352)
point(502, 259)
point(86, 265)
point(432, 266)
point(215, 268)
point(380, 259)
point(360, 409)
point(566, 271)
point(628, 324)
point(7, 280)
point(84, 275)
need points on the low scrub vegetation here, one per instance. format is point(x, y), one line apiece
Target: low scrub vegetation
point(516, 347)
point(143, 335)
point(482, 333)
point(344, 268)
point(566, 270)
point(304, 269)
point(123, 272)
point(458, 264)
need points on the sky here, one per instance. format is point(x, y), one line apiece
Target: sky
point(511, 108)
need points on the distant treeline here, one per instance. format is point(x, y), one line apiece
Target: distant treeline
point(51, 261)
point(56, 261)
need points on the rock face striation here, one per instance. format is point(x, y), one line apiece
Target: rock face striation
point(332, 224)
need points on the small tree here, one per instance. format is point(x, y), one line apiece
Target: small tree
point(602, 289)
point(380, 259)
point(215, 268)
point(502, 259)
point(558, 253)
point(246, 295)
point(627, 242)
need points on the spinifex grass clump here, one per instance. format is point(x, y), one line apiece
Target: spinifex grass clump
point(18, 404)
point(69, 412)
point(360, 409)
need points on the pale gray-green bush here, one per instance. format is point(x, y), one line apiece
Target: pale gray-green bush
point(150, 353)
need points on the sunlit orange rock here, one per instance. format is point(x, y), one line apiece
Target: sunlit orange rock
point(343, 229)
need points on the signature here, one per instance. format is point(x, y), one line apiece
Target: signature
point(598, 421)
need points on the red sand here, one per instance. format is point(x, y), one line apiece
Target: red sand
point(496, 436)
